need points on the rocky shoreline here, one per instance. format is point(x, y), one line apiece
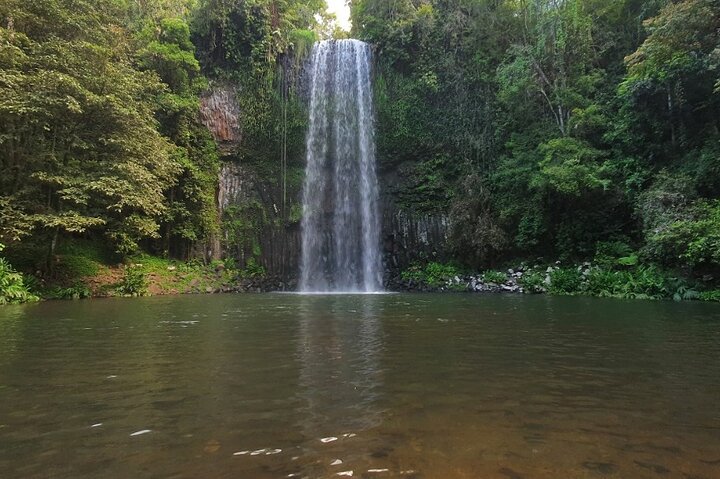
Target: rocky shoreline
point(469, 283)
point(584, 279)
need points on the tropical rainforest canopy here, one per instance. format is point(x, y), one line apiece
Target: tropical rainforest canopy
point(560, 129)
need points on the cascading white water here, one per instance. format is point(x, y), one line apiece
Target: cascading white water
point(341, 225)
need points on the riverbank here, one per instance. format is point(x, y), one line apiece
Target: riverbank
point(151, 276)
point(78, 276)
point(599, 279)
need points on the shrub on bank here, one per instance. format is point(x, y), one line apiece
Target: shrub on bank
point(565, 281)
point(533, 282)
point(76, 291)
point(12, 286)
point(641, 282)
point(432, 274)
point(645, 282)
point(495, 277)
point(253, 269)
point(713, 295)
point(603, 283)
point(134, 283)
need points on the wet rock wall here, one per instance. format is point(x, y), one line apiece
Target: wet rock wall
point(257, 228)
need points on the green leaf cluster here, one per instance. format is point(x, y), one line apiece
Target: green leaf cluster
point(545, 128)
point(79, 143)
point(134, 282)
point(433, 274)
point(13, 289)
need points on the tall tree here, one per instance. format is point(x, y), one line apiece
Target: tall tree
point(79, 144)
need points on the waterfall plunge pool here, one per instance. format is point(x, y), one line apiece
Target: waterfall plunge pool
point(401, 386)
point(336, 293)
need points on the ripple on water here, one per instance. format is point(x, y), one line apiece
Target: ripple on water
point(562, 387)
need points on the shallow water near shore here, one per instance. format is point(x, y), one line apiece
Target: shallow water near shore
point(403, 385)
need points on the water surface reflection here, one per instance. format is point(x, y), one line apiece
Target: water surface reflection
point(339, 344)
point(423, 386)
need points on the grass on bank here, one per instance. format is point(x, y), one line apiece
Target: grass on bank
point(83, 269)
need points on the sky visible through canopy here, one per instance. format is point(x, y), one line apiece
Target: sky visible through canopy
point(341, 11)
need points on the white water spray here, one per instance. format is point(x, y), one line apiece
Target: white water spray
point(341, 226)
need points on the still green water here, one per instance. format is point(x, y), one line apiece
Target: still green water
point(406, 386)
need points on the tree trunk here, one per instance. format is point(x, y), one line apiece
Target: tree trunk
point(51, 251)
point(671, 108)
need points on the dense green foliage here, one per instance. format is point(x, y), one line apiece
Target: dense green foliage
point(100, 135)
point(546, 128)
point(191, 214)
point(432, 274)
point(13, 289)
point(497, 277)
point(134, 282)
point(578, 130)
point(80, 146)
point(260, 45)
point(76, 291)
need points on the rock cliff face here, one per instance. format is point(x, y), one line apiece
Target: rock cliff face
point(219, 111)
point(235, 185)
point(256, 225)
point(253, 223)
point(406, 235)
point(410, 236)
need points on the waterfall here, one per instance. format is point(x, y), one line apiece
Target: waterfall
point(340, 225)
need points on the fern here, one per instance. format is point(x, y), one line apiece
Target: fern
point(12, 287)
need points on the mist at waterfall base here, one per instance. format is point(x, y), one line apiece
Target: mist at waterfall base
point(341, 221)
